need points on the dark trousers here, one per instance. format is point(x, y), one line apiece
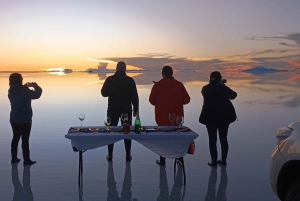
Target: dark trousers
point(212, 135)
point(114, 117)
point(20, 130)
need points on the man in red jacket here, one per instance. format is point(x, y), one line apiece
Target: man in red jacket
point(168, 96)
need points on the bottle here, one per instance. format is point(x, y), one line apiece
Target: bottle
point(137, 123)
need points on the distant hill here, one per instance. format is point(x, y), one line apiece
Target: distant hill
point(259, 70)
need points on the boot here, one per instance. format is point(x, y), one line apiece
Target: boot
point(14, 158)
point(26, 156)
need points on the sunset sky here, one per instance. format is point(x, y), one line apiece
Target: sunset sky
point(195, 34)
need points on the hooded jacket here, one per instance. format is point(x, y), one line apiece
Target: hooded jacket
point(217, 107)
point(168, 96)
point(20, 97)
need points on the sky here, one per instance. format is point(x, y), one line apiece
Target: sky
point(194, 34)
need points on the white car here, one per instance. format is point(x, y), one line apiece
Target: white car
point(285, 163)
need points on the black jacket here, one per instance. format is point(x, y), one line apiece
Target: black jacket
point(121, 92)
point(217, 107)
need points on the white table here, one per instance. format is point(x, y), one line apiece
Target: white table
point(166, 141)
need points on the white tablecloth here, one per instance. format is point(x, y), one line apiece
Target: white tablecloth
point(169, 144)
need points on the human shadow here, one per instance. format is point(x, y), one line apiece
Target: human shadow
point(112, 193)
point(211, 188)
point(21, 192)
point(175, 194)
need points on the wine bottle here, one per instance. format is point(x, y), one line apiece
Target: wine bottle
point(137, 123)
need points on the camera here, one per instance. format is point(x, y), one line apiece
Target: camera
point(29, 84)
point(223, 81)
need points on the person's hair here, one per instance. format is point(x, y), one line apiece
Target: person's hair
point(215, 77)
point(15, 79)
point(121, 66)
point(167, 71)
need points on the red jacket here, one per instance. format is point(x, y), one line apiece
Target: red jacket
point(168, 96)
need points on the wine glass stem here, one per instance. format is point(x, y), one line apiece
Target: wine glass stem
point(81, 124)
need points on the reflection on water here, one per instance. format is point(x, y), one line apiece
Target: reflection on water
point(21, 192)
point(175, 194)
point(211, 187)
point(112, 193)
point(264, 104)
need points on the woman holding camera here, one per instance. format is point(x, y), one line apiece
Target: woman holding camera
point(20, 97)
point(217, 113)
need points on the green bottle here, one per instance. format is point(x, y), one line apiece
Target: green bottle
point(137, 123)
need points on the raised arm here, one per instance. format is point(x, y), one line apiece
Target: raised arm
point(36, 93)
point(230, 93)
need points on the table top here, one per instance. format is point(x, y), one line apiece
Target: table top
point(114, 131)
point(166, 141)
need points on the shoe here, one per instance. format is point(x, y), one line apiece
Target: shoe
point(29, 162)
point(14, 158)
point(159, 163)
point(221, 162)
point(109, 157)
point(128, 158)
point(212, 164)
point(178, 161)
point(26, 156)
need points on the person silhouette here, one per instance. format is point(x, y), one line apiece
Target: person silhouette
point(175, 194)
point(122, 98)
point(21, 192)
point(112, 193)
point(211, 187)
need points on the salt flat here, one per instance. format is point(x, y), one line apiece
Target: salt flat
point(54, 177)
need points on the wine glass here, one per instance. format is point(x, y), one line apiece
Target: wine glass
point(124, 117)
point(81, 117)
point(107, 122)
point(179, 121)
point(172, 117)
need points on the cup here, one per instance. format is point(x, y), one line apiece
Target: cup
point(126, 128)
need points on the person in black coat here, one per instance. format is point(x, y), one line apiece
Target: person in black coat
point(122, 94)
point(20, 97)
point(217, 113)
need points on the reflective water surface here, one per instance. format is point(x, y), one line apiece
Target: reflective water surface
point(264, 104)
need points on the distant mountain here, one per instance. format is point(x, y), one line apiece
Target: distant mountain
point(259, 70)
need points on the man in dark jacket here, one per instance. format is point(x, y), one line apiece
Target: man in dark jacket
point(217, 113)
point(122, 94)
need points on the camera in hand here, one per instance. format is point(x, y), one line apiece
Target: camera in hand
point(223, 81)
point(29, 84)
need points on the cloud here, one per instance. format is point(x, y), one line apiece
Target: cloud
point(252, 37)
point(295, 37)
point(153, 62)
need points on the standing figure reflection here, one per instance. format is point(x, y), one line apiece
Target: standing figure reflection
point(164, 189)
point(211, 189)
point(21, 192)
point(112, 193)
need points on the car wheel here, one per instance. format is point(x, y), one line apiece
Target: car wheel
point(293, 192)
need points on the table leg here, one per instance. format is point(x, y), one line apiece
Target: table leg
point(80, 173)
point(183, 168)
point(175, 165)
